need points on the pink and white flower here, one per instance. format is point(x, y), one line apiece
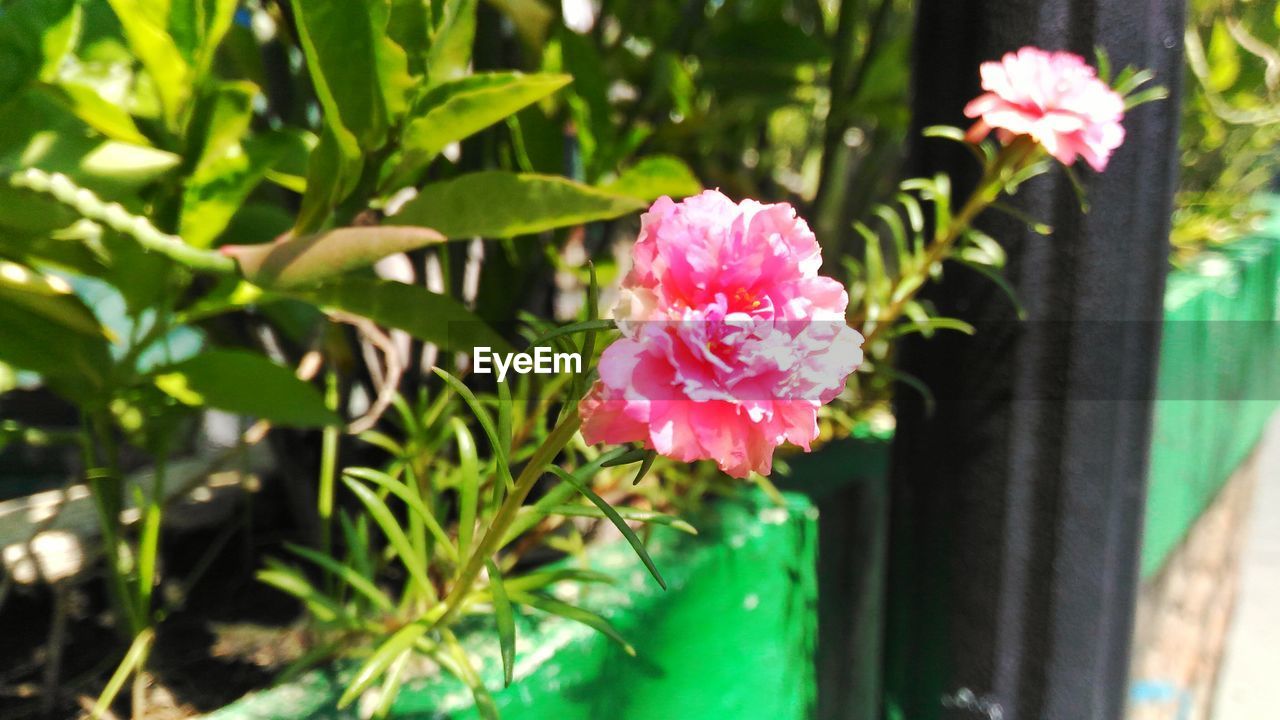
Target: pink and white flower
point(731, 339)
point(1055, 98)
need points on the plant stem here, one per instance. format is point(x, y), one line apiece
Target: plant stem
point(506, 514)
point(328, 468)
point(1013, 158)
point(107, 490)
point(114, 216)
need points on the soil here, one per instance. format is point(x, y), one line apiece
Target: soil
point(232, 635)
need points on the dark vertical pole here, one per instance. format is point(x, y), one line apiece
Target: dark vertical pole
point(1017, 506)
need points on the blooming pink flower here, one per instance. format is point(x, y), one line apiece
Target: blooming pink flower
point(1054, 97)
point(731, 340)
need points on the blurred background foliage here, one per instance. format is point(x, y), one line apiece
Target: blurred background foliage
point(1231, 121)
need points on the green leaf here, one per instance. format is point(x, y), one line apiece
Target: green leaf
point(482, 417)
point(34, 37)
point(655, 176)
point(632, 514)
point(198, 27)
point(412, 501)
point(506, 622)
point(92, 109)
point(346, 573)
point(49, 297)
point(333, 171)
point(223, 181)
point(468, 483)
point(926, 327)
point(999, 280)
point(539, 579)
point(382, 658)
point(71, 362)
point(341, 42)
point(585, 326)
point(645, 465)
point(221, 120)
point(468, 206)
point(569, 612)
point(148, 36)
point(391, 683)
point(294, 261)
point(614, 518)
point(291, 581)
point(386, 520)
point(450, 53)
point(456, 109)
point(247, 383)
point(38, 130)
point(455, 660)
point(135, 659)
point(427, 316)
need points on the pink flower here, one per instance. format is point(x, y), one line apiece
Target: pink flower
point(731, 340)
point(1056, 98)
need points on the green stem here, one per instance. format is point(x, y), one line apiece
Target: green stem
point(116, 217)
point(1014, 157)
point(328, 468)
point(108, 495)
point(506, 514)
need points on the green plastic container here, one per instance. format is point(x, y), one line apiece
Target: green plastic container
point(732, 637)
point(1219, 381)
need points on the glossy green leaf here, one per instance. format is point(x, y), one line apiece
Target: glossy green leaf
point(152, 44)
point(612, 515)
point(428, 316)
point(465, 207)
point(456, 109)
point(410, 28)
point(247, 383)
point(506, 622)
point(348, 63)
point(220, 122)
point(218, 189)
point(294, 261)
point(655, 176)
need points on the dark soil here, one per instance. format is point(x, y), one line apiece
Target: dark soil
point(231, 635)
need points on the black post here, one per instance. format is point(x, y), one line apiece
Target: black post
point(1017, 506)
